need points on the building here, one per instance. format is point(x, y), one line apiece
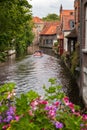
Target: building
point(83, 50)
point(38, 26)
point(66, 25)
point(48, 35)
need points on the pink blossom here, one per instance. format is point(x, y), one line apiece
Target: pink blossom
point(66, 100)
point(31, 113)
point(52, 113)
point(34, 103)
point(71, 106)
point(5, 126)
point(17, 118)
point(76, 113)
point(43, 102)
point(57, 103)
point(84, 116)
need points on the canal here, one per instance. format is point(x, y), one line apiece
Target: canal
point(32, 72)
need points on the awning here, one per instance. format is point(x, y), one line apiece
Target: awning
point(72, 34)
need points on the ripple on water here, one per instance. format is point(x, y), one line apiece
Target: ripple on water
point(32, 73)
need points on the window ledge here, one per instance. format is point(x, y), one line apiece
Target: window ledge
point(84, 51)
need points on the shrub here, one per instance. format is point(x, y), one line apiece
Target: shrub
point(32, 112)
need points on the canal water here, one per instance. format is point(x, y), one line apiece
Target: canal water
point(32, 72)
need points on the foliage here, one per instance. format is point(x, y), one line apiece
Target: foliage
point(15, 25)
point(31, 111)
point(65, 57)
point(75, 60)
point(2, 56)
point(55, 44)
point(51, 17)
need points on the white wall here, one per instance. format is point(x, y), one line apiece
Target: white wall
point(66, 41)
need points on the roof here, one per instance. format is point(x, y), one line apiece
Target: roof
point(37, 20)
point(50, 28)
point(72, 34)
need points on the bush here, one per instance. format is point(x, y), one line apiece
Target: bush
point(32, 112)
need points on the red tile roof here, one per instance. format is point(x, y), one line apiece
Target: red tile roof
point(50, 28)
point(37, 20)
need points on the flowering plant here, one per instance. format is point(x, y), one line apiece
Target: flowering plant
point(33, 112)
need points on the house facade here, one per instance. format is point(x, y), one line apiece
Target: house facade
point(83, 50)
point(38, 26)
point(66, 25)
point(74, 36)
point(48, 35)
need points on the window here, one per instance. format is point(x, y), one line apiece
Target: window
point(86, 26)
point(46, 41)
point(71, 24)
point(71, 13)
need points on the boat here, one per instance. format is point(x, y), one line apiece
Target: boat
point(38, 53)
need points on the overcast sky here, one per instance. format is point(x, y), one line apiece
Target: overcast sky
point(42, 8)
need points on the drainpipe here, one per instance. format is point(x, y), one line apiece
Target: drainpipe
point(80, 48)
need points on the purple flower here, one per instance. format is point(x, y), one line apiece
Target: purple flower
point(4, 120)
point(9, 118)
point(10, 112)
point(58, 125)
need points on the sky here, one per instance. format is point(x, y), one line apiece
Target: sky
point(42, 8)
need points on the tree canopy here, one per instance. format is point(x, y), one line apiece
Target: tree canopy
point(51, 17)
point(15, 25)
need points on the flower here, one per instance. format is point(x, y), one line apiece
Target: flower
point(71, 106)
point(84, 116)
point(58, 125)
point(17, 118)
point(57, 103)
point(66, 100)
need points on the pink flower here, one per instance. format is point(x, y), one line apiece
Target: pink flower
point(56, 103)
point(84, 116)
point(34, 103)
point(71, 106)
point(52, 113)
point(66, 100)
point(76, 113)
point(30, 113)
point(17, 118)
point(5, 126)
point(43, 102)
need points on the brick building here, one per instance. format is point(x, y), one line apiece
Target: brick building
point(83, 50)
point(66, 25)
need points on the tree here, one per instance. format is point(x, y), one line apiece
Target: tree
point(51, 17)
point(15, 24)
